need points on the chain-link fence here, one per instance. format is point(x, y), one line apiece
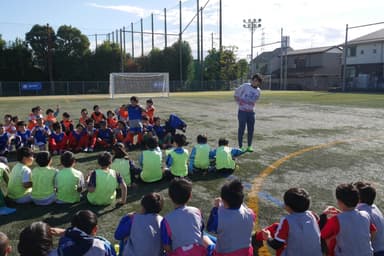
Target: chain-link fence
point(101, 87)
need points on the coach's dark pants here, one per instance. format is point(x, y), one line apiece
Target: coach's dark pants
point(245, 119)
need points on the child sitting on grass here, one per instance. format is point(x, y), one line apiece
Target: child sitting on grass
point(43, 180)
point(177, 159)
point(20, 183)
point(182, 228)
point(103, 182)
point(69, 181)
point(232, 221)
point(4, 178)
point(139, 233)
point(199, 160)
point(300, 224)
point(122, 164)
point(224, 156)
point(151, 162)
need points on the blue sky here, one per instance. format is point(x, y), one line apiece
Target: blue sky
point(308, 23)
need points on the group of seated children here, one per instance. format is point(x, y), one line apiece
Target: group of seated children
point(180, 232)
point(45, 185)
point(356, 229)
point(130, 124)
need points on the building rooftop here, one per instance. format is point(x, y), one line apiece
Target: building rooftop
point(376, 36)
point(312, 50)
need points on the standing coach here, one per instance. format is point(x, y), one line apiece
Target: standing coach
point(246, 96)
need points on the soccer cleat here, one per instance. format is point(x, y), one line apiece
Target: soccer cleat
point(249, 149)
point(244, 149)
point(85, 150)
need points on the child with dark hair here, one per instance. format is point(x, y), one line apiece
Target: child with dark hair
point(5, 246)
point(77, 140)
point(199, 160)
point(352, 229)
point(122, 113)
point(150, 110)
point(299, 224)
point(103, 182)
point(165, 138)
point(43, 180)
point(58, 141)
point(135, 113)
point(90, 136)
point(177, 159)
point(122, 164)
point(66, 123)
point(105, 137)
point(24, 134)
point(182, 229)
point(367, 195)
point(139, 233)
point(121, 132)
point(224, 156)
point(81, 239)
point(41, 134)
point(83, 116)
point(36, 240)
point(111, 119)
point(232, 221)
point(33, 116)
point(51, 117)
point(20, 184)
point(97, 116)
point(151, 162)
point(69, 181)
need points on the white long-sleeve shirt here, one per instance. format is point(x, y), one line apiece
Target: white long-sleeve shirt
point(246, 97)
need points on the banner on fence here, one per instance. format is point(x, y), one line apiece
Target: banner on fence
point(31, 86)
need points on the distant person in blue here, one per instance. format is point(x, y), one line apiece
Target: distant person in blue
point(246, 96)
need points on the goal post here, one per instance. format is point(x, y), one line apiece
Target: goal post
point(151, 84)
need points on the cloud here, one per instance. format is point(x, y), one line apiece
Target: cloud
point(140, 12)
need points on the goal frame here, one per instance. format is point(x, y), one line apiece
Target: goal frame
point(165, 82)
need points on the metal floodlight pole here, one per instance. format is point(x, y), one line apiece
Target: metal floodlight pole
point(142, 37)
point(133, 43)
point(252, 24)
point(180, 43)
point(165, 27)
point(153, 30)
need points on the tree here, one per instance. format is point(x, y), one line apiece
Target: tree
point(212, 65)
point(228, 67)
point(243, 69)
point(41, 39)
point(2, 43)
point(71, 48)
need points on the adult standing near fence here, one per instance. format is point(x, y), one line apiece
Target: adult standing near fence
point(246, 96)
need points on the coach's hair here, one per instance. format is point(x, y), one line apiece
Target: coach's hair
point(297, 199)
point(180, 190)
point(232, 193)
point(367, 193)
point(35, 240)
point(347, 194)
point(257, 77)
point(134, 98)
point(152, 203)
point(85, 220)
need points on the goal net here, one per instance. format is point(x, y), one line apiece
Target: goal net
point(150, 84)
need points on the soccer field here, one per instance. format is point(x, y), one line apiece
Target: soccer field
point(313, 140)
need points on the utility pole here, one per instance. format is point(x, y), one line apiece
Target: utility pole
point(153, 31)
point(49, 60)
point(281, 59)
point(133, 43)
point(180, 44)
point(252, 24)
point(221, 26)
point(165, 27)
point(142, 37)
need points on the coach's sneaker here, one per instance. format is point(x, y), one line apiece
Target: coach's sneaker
point(249, 149)
point(244, 149)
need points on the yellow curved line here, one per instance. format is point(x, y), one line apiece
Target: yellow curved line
point(253, 199)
